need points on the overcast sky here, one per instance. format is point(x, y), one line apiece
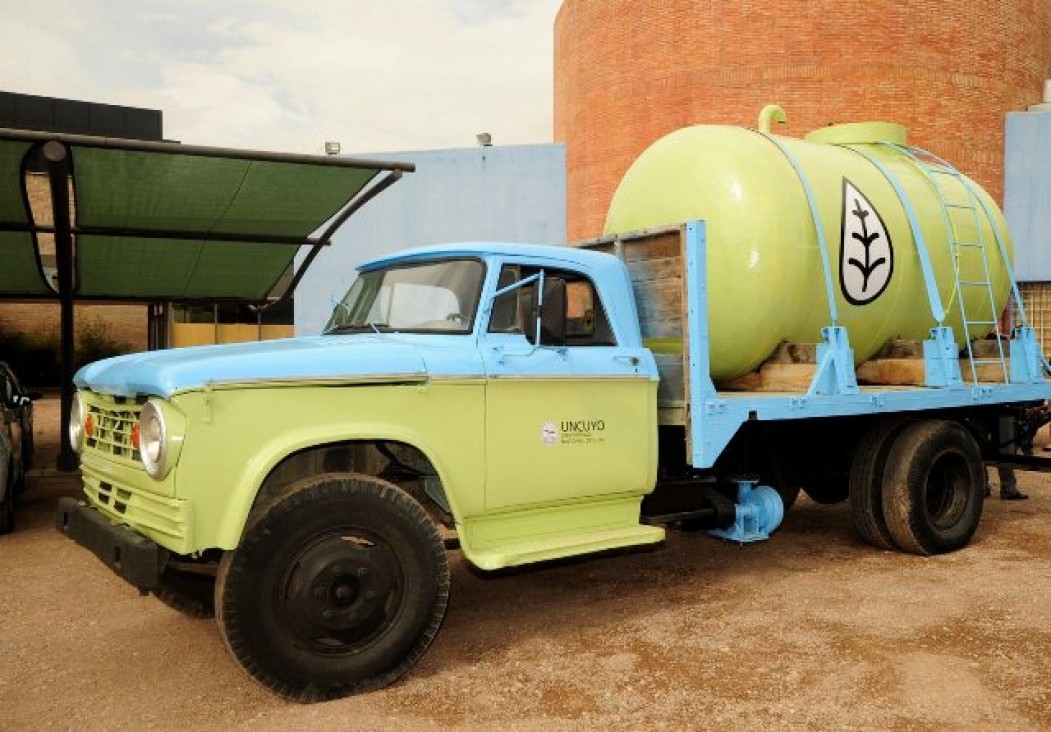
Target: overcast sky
point(290, 74)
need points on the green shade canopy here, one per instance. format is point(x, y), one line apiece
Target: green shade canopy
point(20, 272)
point(162, 221)
point(159, 221)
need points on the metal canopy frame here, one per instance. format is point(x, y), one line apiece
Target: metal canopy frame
point(55, 150)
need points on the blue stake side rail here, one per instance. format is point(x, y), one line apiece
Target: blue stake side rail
point(715, 417)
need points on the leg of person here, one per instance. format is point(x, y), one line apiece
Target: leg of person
point(1009, 485)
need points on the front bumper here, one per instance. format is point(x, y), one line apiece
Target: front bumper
point(133, 557)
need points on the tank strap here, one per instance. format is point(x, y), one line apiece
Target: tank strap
point(819, 230)
point(929, 280)
point(835, 373)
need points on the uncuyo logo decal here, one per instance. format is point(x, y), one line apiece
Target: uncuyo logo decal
point(866, 253)
point(549, 434)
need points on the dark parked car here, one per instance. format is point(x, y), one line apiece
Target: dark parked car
point(16, 442)
point(7, 476)
point(15, 398)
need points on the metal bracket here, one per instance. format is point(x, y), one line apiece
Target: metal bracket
point(835, 364)
point(941, 359)
point(981, 393)
point(1026, 362)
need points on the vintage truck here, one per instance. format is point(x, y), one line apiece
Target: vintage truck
point(529, 403)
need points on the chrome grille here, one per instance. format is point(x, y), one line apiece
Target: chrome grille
point(111, 432)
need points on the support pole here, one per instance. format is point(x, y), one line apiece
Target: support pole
point(57, 156)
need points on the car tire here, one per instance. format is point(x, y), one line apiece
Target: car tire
point(866, 482)
point(192, 595)
point(338, 587)
point(830, 489)
point(933, 487)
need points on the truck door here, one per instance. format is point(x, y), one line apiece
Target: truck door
point(567, 422)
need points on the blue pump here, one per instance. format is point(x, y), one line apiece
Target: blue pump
point(759, 511)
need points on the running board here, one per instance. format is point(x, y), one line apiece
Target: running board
point(514, 538)
point(560, 547)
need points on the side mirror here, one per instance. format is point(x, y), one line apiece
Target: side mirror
point(553, 313)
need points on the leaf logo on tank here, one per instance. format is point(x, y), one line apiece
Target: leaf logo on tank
point(866, 253)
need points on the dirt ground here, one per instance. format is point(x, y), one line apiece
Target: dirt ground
point(811, 630)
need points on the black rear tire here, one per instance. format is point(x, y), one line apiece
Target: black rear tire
point(788, 496)
point(190, 594)
point(338, 587)
point(866, 482)
point(933, 487)
point(830, 488)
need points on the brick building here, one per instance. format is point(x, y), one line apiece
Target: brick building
point(627, 73)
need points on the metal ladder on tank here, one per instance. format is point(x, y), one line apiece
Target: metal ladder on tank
point(938, 171)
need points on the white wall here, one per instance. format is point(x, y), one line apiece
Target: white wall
point(1027, 193)
point(500, 194)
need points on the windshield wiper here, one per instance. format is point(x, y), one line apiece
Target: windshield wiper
point(357, 328)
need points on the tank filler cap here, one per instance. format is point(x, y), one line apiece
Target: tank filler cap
point(860, 133)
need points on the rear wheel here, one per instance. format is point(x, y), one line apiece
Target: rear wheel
point(933, 487)
point(788, 496)
point(866, 482)
point(337, 588)
point(829, 489)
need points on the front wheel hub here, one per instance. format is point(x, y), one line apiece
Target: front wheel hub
point(341, 592)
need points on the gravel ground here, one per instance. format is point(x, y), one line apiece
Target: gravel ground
point(811, 630)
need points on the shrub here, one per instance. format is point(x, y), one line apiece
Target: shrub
point(93, 343)
point(35, 356)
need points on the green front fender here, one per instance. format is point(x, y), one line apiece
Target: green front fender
point(236, 437)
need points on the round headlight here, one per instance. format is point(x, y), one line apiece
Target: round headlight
point(77, 414)
point(153, 440)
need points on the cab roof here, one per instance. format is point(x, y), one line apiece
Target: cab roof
point(595, 261)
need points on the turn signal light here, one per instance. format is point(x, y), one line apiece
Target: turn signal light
point(135, 435)
point(89, 426)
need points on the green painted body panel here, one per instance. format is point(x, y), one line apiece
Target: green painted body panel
point(126, 493)
point(604, 442)
point(765, 277)
point(541, 501)
point(235, 437)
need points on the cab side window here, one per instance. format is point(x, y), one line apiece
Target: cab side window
point(506, 317)
point(586, 321)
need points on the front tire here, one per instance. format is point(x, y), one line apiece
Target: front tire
point(190, 594)
point(933, 487)
point(337, 588)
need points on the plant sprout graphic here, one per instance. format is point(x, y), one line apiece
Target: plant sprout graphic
point(868, 266)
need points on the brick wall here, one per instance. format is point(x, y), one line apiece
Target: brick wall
point(627, 73)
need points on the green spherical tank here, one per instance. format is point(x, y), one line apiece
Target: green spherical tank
point(765, 274)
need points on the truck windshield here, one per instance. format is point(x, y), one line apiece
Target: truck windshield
point(431, 297)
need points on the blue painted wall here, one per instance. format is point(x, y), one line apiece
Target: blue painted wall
point(1027, 192)
point(506, 194)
